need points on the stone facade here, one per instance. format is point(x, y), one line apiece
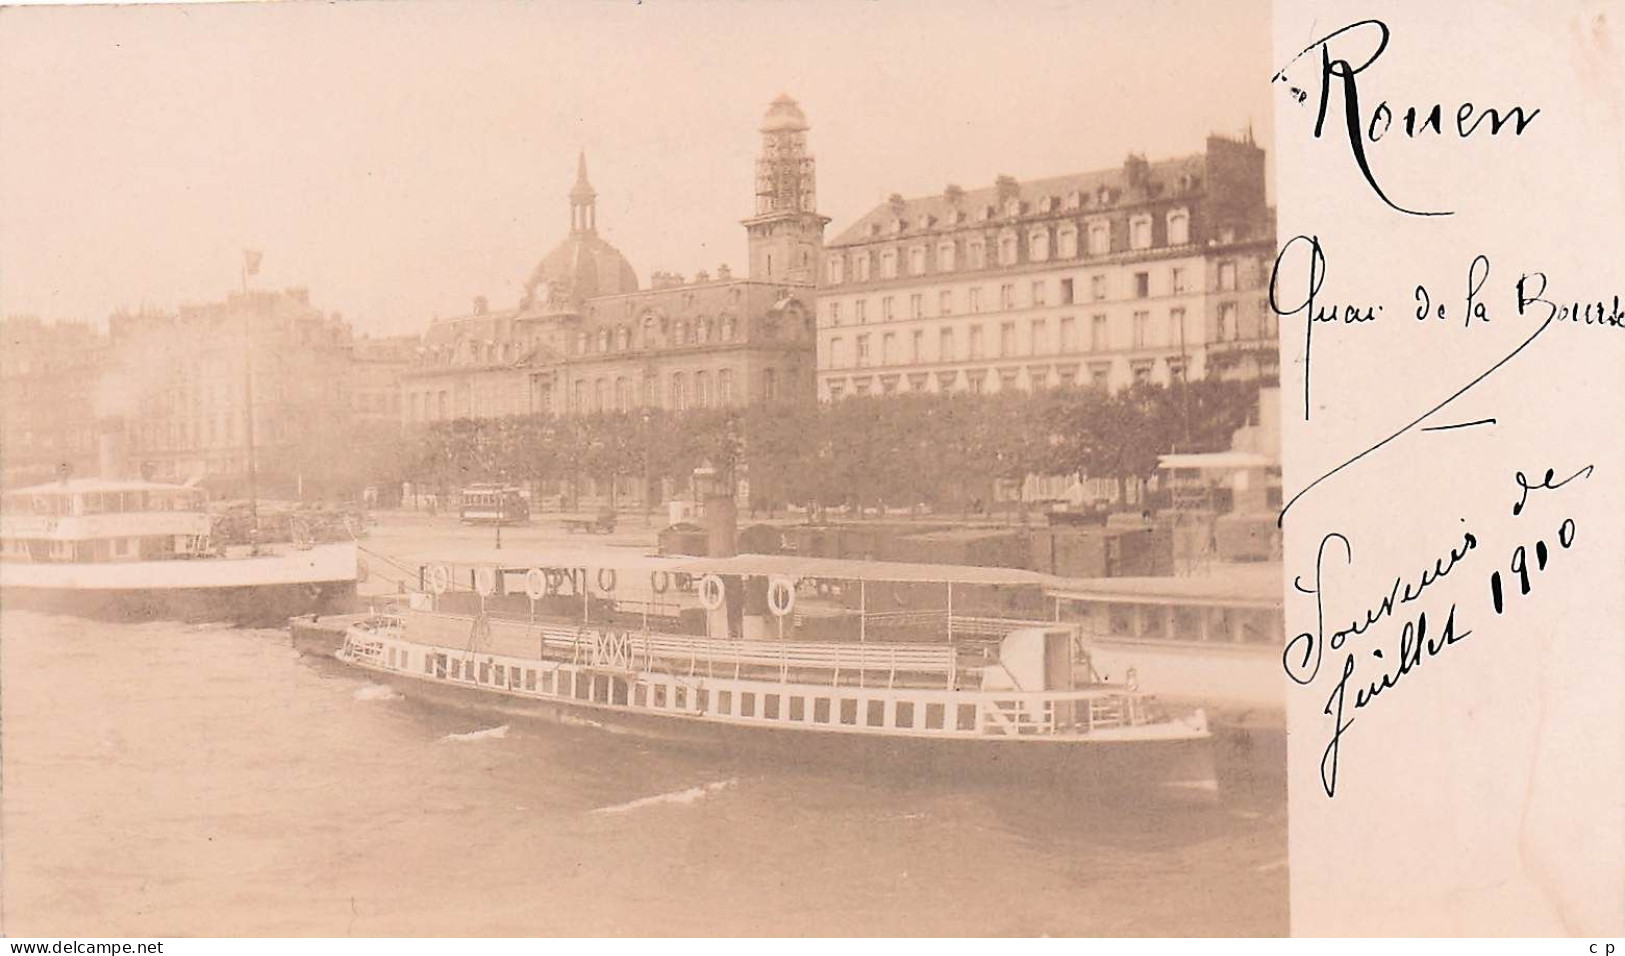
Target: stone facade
point(585, 338)
point(1143, 273)
point(181, 379)
point(51, 376)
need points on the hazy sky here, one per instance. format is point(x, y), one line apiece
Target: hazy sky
point(400, 158)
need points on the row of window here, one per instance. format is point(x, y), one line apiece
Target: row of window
point(1011, 246)
point(683, 390)
point(1041, 338)
point(1176, 280)
point(604, 688)
point(980, 380)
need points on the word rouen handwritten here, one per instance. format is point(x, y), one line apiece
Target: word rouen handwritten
point(1415, 122)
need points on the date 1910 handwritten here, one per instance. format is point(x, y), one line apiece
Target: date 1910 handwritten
point(1369, 669)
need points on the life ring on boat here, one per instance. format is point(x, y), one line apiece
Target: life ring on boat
point(659, 582)
point(485, 581)
point(439, 579)
point(610, 587)
point(781, 595)
point(535, 584)
point(711, 592)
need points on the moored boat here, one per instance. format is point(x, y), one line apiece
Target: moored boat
point(136, 550)
point(707, 652)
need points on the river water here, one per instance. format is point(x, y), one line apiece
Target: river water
point(174, 779)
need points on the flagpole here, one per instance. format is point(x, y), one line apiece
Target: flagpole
point(248, 416)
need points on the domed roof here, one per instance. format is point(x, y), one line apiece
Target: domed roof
point(784, 114)
point(581, 267)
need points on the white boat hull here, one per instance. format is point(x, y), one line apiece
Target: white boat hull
point(261, 589)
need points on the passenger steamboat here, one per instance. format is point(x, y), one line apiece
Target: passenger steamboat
point(132, 549)
point(866, 662)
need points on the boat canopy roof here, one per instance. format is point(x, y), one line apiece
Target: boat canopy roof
point(750, 565)
point(1224, 585)
point(1221, 460)
point(80, 486)
point(797, 566)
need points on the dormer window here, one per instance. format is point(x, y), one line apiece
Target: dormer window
point(603, 340)
point(1179, 227)
point(1012, 207)
point(1074, 200)
point(1046, 204)
point(1103, 196)
point(1007, 249)
point(1100, 238)
point(897, 226)
point(874, 228)
point(1066, 239)
point(1038, 245)
point(1139, 231)
point(987, 213)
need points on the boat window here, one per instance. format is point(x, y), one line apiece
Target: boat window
point(747, 705)
point(583, 687)
point(725, 701)
point(770, 706)
point(905, 714)
point(820, 710)
point(513, 677)
point(1121, 619)
point(682, 698)
point(547, 682)
point(877, 714)
point(640, 695)
point(530, 679)
point(428, 663)
point(566, 683)
point(1187, 624)
point(702, 699)
point(392, 657)
point(660, 697)
point(456, 670)
point(798, 708)
point(485, 672)
point(933, 716)
point(406, 659)
point(849, 710)
point(967, 716)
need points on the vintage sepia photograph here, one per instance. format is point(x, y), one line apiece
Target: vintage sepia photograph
point(640, 469)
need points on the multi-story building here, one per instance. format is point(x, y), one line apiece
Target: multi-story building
point(1144, 273)
point(51, 379)
point(183, 381)
point(376, 365)
point(585, 338)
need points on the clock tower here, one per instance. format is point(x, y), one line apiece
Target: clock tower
point(786, 233)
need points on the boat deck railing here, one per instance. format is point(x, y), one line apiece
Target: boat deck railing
point(1088, 711)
